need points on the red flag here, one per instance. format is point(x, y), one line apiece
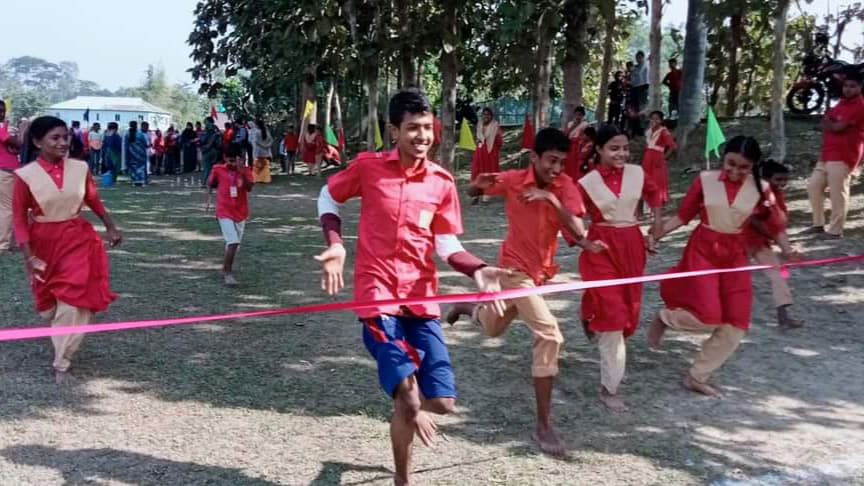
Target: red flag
point(528, 134)
point(341, 138)
point(213, 113)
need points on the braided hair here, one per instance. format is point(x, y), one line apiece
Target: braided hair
point(749, 148)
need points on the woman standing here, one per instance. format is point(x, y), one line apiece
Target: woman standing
point(136, 155)
point(611, 193)
point(112, 152)
point(487, 154)
point(261, 141)
point(726, 202)
point(659, 143)
point(189, 142)
point(64, 255)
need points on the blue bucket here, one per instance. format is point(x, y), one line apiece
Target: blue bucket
point(107, 179)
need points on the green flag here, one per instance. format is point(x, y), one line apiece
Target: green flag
point(714, 135)
point(466, 139)
point(330, 136)
point(379, 142)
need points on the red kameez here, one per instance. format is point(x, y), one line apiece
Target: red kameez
point(487, 159)
point(76, 262)
point(721, 298)
point(654, 159)
point(610, 309)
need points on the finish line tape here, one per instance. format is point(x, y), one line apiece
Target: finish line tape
point(41, 332)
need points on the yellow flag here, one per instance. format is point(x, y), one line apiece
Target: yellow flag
point(379, 142)
point(8, 102)
point(466, 138)
point(310, 107)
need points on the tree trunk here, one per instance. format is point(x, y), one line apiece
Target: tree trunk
point(654, 60)
point(778, 130)
point(608, 51)
point(736, 29)
point(372, 106)
point(449, 67)
point(695, 43)
point(407, 69)
point(328, 113)
point(543, 67)
point(576, 15)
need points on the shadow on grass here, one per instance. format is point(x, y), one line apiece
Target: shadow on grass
point(87, 466)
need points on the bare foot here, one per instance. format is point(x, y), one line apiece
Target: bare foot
point(654, 336)
point(62, 377)
point(458, 310)
point(427, 430)
point(548, 440)
point(697, 386)
point(613, 402)
point(785, 321)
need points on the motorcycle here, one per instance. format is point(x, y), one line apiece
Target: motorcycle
point(820, 76)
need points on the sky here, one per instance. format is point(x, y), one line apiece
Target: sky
point(114, 49)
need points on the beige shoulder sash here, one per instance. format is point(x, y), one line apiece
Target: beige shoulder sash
point(722, 216)
point(617, 210)
point(57, 204)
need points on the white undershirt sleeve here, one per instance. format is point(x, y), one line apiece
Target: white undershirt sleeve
point(446, 245)
point(326, 203)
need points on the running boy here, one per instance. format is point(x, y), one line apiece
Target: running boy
point(410, 211)
point(541, 201)
point(760, 241)
point(232, 182)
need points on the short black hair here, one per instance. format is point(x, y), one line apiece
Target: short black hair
point(579, 109)
point(112, 126)
point(233, 150)
point(590, 133)
point(407, 100)
point(76, 123)
point(658, 113)
point(673, 59)
point(771, 167)
point(853, 74)
point(551, 139)
point(640, 53)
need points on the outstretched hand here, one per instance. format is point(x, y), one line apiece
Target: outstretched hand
point(487, 180)
point(332, 264)
point(489, 280)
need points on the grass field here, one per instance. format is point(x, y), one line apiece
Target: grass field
point(295, 400)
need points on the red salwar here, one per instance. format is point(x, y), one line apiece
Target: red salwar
point(76, 262)
point(654, 159)
point(612, 209)
point(719, 242)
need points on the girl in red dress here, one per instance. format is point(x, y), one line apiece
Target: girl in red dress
point(487, 155)
point(659, 143)
point(727, 201)
point(575, 131)
point(65, 259)
point(611, 193)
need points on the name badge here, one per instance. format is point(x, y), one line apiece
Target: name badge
point(233, 191)
point(425, 219)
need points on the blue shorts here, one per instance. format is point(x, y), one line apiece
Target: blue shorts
point(403, 346)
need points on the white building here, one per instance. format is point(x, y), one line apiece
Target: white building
point(105, 109)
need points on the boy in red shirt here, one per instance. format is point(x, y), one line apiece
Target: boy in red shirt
point(290, 141)
point(541, 202)
point(410, 211)
point(232, 183)
point(674, 80)
point(842, 148)
point(760, 241)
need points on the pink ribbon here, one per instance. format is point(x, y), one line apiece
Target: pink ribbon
point(40, 332)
